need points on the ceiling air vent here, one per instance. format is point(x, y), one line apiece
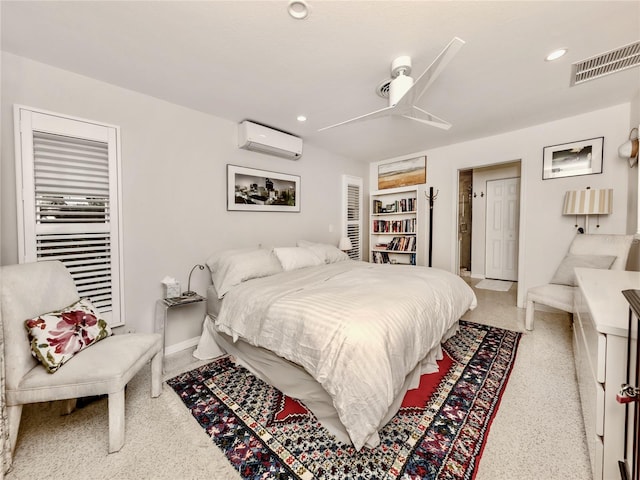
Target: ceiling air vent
point(606, 63)
point(383, 88)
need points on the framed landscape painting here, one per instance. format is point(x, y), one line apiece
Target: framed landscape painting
point(402, 173)
point(253, 190)
point(583, 157)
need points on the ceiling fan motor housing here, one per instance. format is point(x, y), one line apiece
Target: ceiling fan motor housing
point(401, 65)
point(402, 82)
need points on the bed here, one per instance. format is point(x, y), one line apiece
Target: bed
point(346, 338)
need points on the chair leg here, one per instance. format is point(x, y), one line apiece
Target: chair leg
point(67, 407)
point(14, 413)
point(156, 374)
point(116, 421)
point(528, 321)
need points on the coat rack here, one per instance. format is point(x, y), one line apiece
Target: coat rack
point(431, 197)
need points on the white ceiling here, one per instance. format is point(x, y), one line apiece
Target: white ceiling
point(250, 60)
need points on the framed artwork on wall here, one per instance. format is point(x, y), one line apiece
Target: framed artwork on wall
point(583, 157)
point(253, 190)
point(412, 171)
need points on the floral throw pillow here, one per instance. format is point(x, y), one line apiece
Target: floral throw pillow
point(55, 337)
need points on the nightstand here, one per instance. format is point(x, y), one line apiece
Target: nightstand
point(162, 308)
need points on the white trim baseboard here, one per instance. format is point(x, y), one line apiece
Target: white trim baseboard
point(178, 347)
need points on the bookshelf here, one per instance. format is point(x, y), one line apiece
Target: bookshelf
point(394, 226)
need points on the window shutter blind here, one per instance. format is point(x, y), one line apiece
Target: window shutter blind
point(69, 194)
point(352, 187)
point(71, 179)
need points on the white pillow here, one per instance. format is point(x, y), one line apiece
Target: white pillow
point(566, 275)
point(292, 258)
point(325, 251)
point(232, 267)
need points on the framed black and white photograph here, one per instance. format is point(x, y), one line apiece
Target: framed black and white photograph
point(583, 157)
point(253, 190)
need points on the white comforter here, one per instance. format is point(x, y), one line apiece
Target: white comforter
point(357, 328)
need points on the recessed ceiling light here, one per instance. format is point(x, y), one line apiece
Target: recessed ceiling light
point(298, 9)
point(302, 118)
point(556, 54)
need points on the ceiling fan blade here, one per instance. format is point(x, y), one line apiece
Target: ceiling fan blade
point(423, 116)
point(383, 112)
point(432, 72)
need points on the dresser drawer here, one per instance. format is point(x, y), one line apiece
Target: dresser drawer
point(587, 388)
point(598, 464)
point(600, 404)
point(595, 342)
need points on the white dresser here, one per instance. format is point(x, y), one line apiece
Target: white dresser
point(600, 349)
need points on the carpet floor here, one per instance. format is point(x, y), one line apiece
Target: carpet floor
point(439, 432)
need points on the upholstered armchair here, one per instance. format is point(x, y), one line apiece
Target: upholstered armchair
point(588, 250)
point(31, 290)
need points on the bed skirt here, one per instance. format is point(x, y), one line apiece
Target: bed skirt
point(294, 381)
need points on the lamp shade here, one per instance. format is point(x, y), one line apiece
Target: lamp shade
point(345, 244)
point(588, 202)
point(629, 150)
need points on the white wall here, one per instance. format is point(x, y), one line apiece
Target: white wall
point(545, 233)
point(174, 184)
point(633, 196)
point(634, 217)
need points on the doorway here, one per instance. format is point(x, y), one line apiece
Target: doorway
point(471, 224)
point(465, 190)
point(502, 223)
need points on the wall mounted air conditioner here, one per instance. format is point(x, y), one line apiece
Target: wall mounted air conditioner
point(258, 138)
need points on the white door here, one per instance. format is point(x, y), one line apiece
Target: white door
point(503, 207)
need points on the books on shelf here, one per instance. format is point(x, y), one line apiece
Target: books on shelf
point(402, 244)
point(394, 226)
point(402, 205)
point(383, 257)
point(408, 225)
point(398, 244)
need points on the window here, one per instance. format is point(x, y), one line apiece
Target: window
point(68, 202)
point(352, 214)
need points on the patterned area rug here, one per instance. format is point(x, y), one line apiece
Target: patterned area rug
point(439, 432)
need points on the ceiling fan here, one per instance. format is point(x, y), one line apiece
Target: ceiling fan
point(404, 92)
